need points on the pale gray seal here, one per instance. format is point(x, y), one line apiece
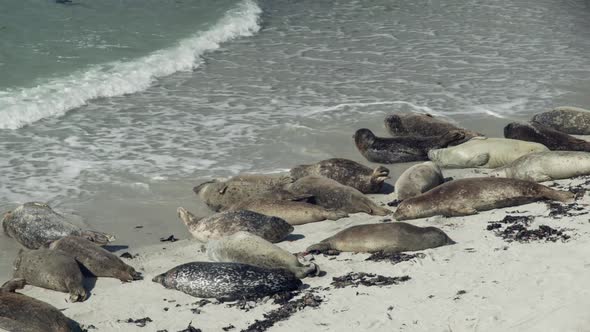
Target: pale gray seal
point(567, 119)
point(35, 225)
point(220, 195)
point(247, 248)
point(418, 179)
point(51, 269)
point(421, 124)
point(484, 152)
point(333, 195)
point(95, 259)
point(468, 196)
point(551, 138)
point(227, 281)
point(388, 237)
point(347, 172)
point(226, 223)
point(293, 212)
point(400, 149)
point(21, 313)
point(546, 166)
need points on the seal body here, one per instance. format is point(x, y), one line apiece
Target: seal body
point(418, 179)
point(484, 152)
point(546, 166)
point(551, 138)
point(346, 172)
point(227, 223)
point(333, 195)
point(293, 212)
point(35, 225)
point(419, 124)
point(95, 259)
point(388, 237)
point(570, 120)
point(247, 248)
point(221, 195)
point(227, 281)
point(51, 269)
point(400, 149)
point(21, 313)
point(468, 196)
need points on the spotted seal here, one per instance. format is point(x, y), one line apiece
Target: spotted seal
point(468, 196)
point(35, 225)
point(423, 124)
point(400, 149)
point(247, 248)
point(293, 212)
point(95, 259)
point(567, 119)
point(386, 237)
point(333, 195)
point(51, 269)
point(418, 179)
point(546, 166)
point(227, 223)
point(551, 138)
point(227, 281)
point(347, 172)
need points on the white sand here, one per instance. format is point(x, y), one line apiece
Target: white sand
point(539, 286)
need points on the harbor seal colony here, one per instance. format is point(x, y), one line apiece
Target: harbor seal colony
point(95, 259)
point(423, 124)
point(333, 195)
point(546, 166)
point(484, 152)
point(227, 281)
point(35, 225)
point(347, 172)
point(21, 313)
point(51, 269)
point(551, 138)
point(400, 149)
point(293, 212)
point(418, 179)
point(227, 223)
point(389, 238)
point(468, 196)
point(568, 119)
point(221, 195)
point(247, 248)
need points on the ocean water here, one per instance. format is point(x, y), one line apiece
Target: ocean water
point(116, 109)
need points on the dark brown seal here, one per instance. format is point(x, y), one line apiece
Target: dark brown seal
point(401, 149)
point(422, 124)
point(551, 138)
point(468, 196)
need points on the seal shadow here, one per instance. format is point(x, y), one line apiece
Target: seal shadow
point(89, 284)
point(114, 248)
point(294, 237)
point(387, 189)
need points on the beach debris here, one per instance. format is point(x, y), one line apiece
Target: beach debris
point(128, 255)
point(354, 279)
point(517, 230)
point(170, 238)
point(190, 328)
point(459, 293)
point(393, 258)
point(559, 211)
point(229, 327)
point(141, 322)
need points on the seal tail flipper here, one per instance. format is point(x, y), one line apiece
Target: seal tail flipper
point(380, 174)
point(450, 137)
point(12, 285)
point(314, 270)
point(380, 211)
point(558, 195)
point(97, 237)
point(319, 247)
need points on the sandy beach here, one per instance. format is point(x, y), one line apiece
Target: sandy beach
point(483, 283)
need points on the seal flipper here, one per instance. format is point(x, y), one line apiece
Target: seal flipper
point(97, 237)
point(460, 211)
point(319, 247)
point(12, 285)
point(479, 160)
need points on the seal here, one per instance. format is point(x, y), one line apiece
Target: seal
point(51, 269)
point(227, 223)
point(484, 152)
point(347, 172)
point(388, 237)
point(98, 261)
point(35, 225)
point(418, 179)
point(293, 212)
point(221, 195)
point(468, 196)
point(333, 195)
point(21, 313)
point(247, 248)
point(546, 166)
point(551, 138)
point(423, 124)
point(227, 281)
point(567, 119)
point(400, 149)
